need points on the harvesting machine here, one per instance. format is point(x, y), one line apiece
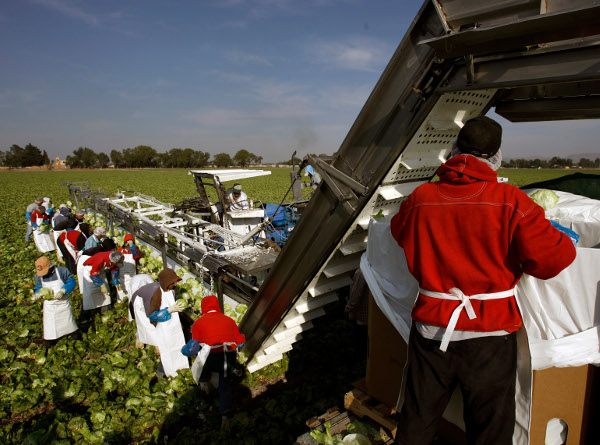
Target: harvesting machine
point(530, 60)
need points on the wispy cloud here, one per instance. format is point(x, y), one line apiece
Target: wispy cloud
point(355, 54)
point(66, 8)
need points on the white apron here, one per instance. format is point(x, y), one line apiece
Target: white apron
point(73, 251)
point(198, 364)
point(92, 297)
point(170, 339)
point(43, 240)
point(126, 272)
point(57, 317)
point(146, 332)
point(56, 234)
point(135, 283)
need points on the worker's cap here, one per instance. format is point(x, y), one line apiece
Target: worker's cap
point(80, 212)
point(62, 206)
point(116, 258)
point(100, 231)
point(42, 265)
point(39, 200)
point(480, 136)
point(237, 188)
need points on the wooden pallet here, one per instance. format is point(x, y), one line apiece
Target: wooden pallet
point(362, 404)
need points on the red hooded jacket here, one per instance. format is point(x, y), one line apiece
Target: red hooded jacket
point(214, 327)
point(471, 232)
point(137, 254)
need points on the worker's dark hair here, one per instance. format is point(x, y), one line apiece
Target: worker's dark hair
point(480, 136)
point(108, 244)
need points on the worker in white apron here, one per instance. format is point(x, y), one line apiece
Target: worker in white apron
point(59, 226)
point(132, 255)
point(93, 282)
point(467, 239)
point(215, 339)
point(28, 212)
point(57, 315)
point(164, 318)
point(141, 294)
point(43, 239)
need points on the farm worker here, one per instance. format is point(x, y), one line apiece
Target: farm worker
point(468, 239)
point(237, 198)
point(106, 245)
point(165, 326)
point(59, 225)
point(96, 239)
point(60, 218)
point(215, 340)
point(30, 209)
point(80, 215)
point(71, 242)
point(94, 287)
point(132, 255)
point(44, 241)
point(57, 316)
point(314, 177)
point(139, 302)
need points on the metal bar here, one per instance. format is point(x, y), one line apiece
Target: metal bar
point(544, 28)
point(323, 166)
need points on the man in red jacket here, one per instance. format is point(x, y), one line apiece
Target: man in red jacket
point(467, 240)
point(221, 334)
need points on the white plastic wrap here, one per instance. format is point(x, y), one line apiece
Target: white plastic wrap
point(386, 272)
point(561, 314)
point(578, 213)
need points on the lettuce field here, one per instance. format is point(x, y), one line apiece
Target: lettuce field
point(101, 389)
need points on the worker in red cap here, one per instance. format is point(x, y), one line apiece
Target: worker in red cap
point(468, 239)
point(131, 255)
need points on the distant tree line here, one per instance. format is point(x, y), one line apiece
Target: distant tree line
point(141, 156)
point(29, 156)
point(555, 162)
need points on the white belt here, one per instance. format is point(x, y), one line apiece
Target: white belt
point(457, 294)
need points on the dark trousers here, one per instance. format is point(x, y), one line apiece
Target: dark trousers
point(215, 363)
point(484, 369)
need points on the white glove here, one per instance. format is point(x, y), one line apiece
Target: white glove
point(104, 289)
point(177, 307)
point(37, 296)
point(59, 294)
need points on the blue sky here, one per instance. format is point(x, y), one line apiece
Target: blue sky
point(269, 76)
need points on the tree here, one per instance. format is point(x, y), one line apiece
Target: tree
point(140, 157)
point(14, 156)
point(83, 157)
point(32, 156)
point(46, 159)
point(117, 159)
point(242, 157)
point(2, 158)
point(222, 160)
point(103, 160)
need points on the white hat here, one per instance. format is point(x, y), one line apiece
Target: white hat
point(100, 231)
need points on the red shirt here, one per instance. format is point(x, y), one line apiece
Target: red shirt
point(98, 262)
point(471, 232)
point(214, 327)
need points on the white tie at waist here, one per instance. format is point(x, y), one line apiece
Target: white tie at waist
point(457, 294)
